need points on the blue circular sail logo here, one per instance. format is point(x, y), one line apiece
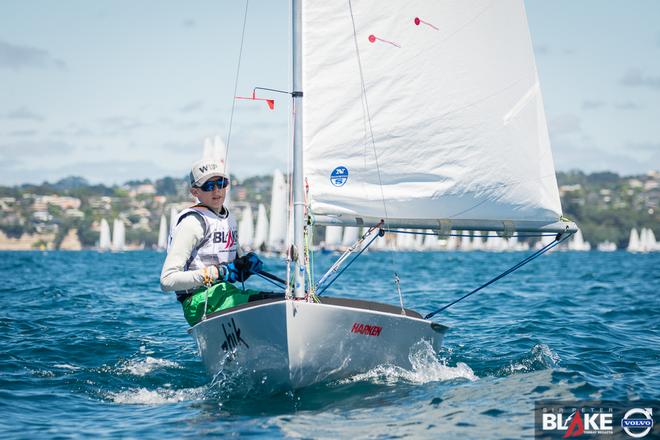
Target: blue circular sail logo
point(339, 176)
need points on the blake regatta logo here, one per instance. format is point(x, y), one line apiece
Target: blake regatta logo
point(611, 419)
point(232, 337)
point(569, 420)
point(365, 329)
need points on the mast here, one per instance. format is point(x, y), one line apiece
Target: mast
point(297, 181)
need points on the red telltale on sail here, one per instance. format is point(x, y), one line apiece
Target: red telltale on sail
point(270, 102)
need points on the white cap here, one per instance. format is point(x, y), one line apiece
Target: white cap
point(204, 169)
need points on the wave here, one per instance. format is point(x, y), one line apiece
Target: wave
point(425, 367)
point(540, 357)
point(159, 396)
point(142, 367)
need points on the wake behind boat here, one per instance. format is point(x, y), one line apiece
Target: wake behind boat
point(424, 115)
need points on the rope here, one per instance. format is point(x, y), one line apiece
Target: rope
point(320, 292)
point(281, 286)
point(365, 108)
point(238, 70)
point(535, 255)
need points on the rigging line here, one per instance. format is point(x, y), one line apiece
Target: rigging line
point(536, 254)
point(346, 254)
point(238, 71)
point(371, 132)
point(271, 281)
point(319, 293)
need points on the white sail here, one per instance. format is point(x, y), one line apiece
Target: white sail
point(431, 242)
point(118, 235)
point(278, 213)
point(454, 107)
point(351, 235)
point(465, 243)
point(105, 242)
point(577, 243)
point(174, 215)
point(333, 235)
point(477, 242)
point(163, 233)
point(633, 241)
point(246, 228)
point(261, 230)
point(651, 244)
point(452, 243)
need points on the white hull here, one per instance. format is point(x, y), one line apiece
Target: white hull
point(287, 344)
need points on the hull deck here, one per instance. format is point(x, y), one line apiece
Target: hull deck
point(287, 344)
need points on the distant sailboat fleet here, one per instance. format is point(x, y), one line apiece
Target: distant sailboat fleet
point(270, 234)
point(114, 242)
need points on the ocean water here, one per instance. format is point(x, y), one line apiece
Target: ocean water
point(90, 346)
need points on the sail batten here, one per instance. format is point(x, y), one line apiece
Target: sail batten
point(409, 121)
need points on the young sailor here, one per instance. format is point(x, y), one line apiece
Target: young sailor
point(202, 252)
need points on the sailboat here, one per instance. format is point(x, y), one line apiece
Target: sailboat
point(105, 242)
point(118, 235)
point(246, 228)
point(278, 214)
point(162, 233)
point(261, 229)
point(407, 115)
point(333, 236)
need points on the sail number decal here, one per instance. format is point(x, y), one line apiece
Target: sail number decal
point(366, 329)
point(339, 176)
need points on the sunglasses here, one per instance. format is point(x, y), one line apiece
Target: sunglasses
point(208, 186)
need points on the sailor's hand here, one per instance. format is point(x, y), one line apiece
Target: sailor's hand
point(247, 265)
point(228, 273)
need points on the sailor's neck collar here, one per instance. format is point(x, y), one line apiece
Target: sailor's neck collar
point(222, 213)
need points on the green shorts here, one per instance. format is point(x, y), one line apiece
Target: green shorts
point(221, 296)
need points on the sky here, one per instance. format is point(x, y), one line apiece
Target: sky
point(120, 90)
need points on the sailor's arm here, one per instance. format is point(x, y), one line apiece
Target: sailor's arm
point(189, 233)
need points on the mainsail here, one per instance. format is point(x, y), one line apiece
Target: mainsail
point(425, 114)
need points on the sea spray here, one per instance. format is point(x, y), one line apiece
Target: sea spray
point(426, 367)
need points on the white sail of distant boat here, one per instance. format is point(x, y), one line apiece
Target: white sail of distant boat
point(431, 241)
point(651, 244)
point(261, 229)
point(493, 243)
point(105, 242)
point(350, 236)
point(118, 235)
point(477, 242)
point(645, 243)
point(174, 214)
point(278, 213)
point(408, 115)
point(214, 148)
point(633, 241)
point(163, 233)
point(246, 228)
point(577, 243)
point(333, 236)
point(465, 242)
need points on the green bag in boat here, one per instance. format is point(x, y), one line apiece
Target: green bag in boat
point(221, 296)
